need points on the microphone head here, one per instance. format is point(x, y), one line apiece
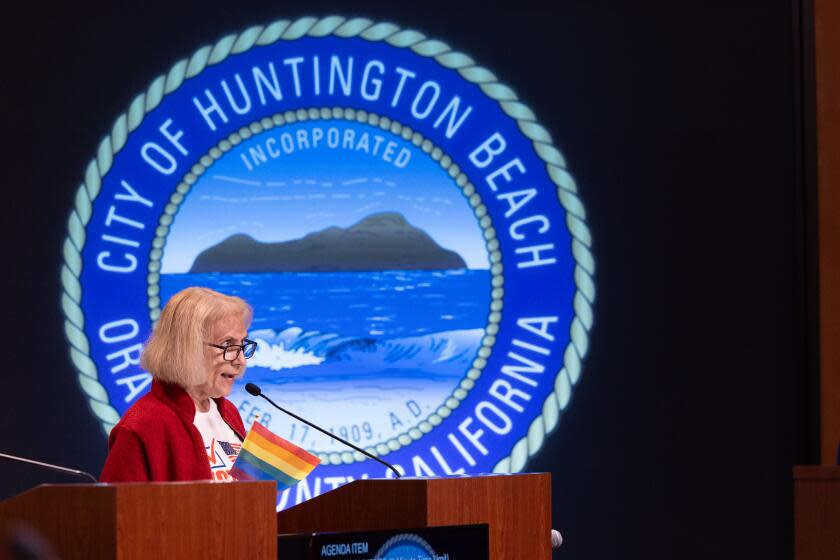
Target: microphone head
point(253, 389)
point(556, 538)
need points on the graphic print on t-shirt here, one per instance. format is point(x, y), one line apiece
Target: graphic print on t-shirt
point(222, 455)
point(221, 444)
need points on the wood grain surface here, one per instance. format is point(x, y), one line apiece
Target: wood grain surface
point(827, 67)
point(163, 520)
point(816, 512)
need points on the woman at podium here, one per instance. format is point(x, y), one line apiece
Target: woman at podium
point(184, 428)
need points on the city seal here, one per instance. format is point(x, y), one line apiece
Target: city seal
point(414, 247)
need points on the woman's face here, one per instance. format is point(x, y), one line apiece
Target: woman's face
point(221, 373)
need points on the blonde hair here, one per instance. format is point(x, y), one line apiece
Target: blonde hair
point(175, 351)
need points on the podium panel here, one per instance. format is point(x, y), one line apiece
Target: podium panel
point(517, 509)
point(157, 520)
point(816, 519)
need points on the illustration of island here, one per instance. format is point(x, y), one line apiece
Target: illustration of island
point(375, 321)
point(382, 241)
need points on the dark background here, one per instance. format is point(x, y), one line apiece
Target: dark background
point(681, 123)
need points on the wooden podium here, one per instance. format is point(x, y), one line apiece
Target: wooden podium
point(816, 518)
point(517, 509)
point(238, 520)
point(159, 520)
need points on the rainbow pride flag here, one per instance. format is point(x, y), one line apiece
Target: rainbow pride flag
point(265, 456)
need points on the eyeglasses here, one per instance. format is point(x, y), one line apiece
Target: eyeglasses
point(248, 348)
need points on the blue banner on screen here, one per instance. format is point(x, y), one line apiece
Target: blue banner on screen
point(415, 250)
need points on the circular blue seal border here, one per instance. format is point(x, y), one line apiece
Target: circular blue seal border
point(72, 268)
point(468, 192)
point(410, 540)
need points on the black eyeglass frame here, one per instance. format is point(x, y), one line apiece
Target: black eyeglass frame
point(239, 348)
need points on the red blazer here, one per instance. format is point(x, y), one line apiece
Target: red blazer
point(157, 441)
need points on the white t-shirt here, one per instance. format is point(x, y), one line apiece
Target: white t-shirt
point(221, 443)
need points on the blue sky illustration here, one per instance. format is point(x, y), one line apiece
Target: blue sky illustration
point(313, 188)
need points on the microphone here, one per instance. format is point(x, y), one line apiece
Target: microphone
point(50, 466)
point(257, 392)
point(556, 538)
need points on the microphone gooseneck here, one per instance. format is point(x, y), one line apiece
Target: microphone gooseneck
point(257, 392)
point(50, 466)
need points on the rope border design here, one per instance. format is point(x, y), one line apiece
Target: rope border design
point(451, 168)
point(390, 33)
point(405, 537)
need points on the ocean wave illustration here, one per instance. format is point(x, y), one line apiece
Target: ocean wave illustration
point(388, 384)
point(293, 348)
